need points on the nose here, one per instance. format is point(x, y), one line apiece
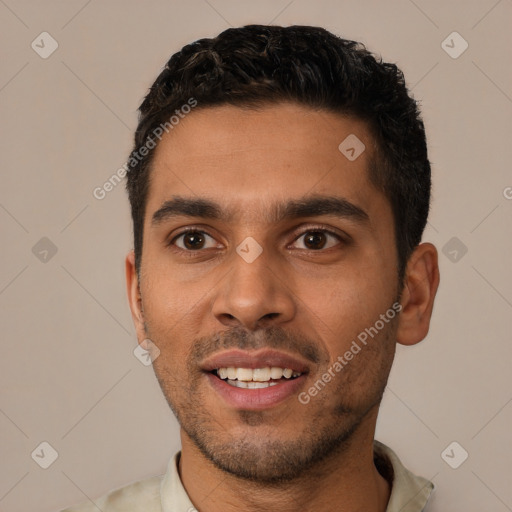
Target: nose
point(254, 295)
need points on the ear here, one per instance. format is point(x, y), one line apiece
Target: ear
point(134, 296)
point(418, 294)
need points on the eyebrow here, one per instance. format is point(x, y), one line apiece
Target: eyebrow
point(307, 207)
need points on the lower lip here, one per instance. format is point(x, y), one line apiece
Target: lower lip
point(259, 398)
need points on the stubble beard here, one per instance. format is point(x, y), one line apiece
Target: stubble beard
point(271, 462)
point(326, 435)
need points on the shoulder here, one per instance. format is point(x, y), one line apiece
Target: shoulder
point(138, 496)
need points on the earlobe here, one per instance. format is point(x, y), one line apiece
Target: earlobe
point(420, 287)
point(134, 295)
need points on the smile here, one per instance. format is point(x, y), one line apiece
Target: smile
point(255, 378)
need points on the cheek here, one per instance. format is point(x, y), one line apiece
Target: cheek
point(366, 368)
point(349, 303)
point(165, 315)
point(175, 312)
point(166, 299)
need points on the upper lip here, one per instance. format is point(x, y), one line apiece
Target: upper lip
point(254, 359)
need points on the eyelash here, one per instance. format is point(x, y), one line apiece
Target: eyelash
point(308, 229)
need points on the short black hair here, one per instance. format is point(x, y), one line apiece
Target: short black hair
point(259, 65)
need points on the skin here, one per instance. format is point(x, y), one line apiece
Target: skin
point(301, 295)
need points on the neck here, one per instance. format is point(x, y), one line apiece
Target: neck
point(348, 479)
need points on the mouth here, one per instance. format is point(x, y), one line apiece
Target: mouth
point(255, 380)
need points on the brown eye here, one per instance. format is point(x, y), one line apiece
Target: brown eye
point(193, 241)
point(318, 239)
point(315, 240)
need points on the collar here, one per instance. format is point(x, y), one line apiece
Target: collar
point(409, 493)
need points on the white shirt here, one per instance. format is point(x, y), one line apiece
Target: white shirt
point(165, 493)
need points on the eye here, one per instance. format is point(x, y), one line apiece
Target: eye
point(318, 239)
point(193, 240)
point(313, 239)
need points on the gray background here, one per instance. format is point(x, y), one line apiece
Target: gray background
point(68, 374)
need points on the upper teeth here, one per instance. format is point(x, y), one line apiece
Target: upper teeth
point(256, 374)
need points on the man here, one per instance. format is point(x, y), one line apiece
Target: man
point(279, 187)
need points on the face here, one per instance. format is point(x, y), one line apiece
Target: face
point(267, 252)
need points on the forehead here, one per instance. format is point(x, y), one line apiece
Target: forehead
point(246, 160)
